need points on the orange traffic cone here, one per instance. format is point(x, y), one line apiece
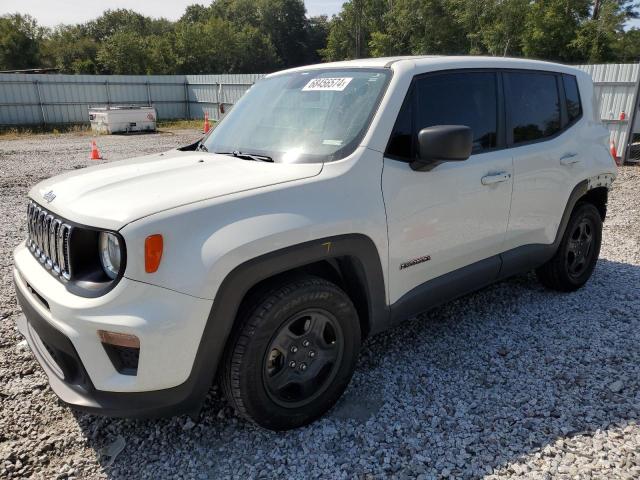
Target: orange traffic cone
point(614, 152)
point(95, 154)
point(207, 127)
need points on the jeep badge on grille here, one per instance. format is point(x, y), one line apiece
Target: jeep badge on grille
point(49, 196)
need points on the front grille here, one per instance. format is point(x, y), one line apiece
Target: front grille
point(49, 240)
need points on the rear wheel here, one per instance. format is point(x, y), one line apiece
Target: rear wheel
point(576, 258)
point(293, 354)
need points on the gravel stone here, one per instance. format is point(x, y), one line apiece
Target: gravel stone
point(616, 386)
point(512, 381)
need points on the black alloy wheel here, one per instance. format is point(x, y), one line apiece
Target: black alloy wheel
point(577, 255)
point(580, 247)
point(292, 353)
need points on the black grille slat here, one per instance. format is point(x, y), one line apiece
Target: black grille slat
point(49, 239)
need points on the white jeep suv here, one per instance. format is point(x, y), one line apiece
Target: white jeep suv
point(333, 202)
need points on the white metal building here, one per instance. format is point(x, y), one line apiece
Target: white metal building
point(617, 90)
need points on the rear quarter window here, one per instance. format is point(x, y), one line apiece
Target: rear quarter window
point(572, 94)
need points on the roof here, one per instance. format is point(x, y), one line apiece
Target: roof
point(468, 61)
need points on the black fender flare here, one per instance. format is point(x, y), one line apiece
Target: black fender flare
point(228, 298)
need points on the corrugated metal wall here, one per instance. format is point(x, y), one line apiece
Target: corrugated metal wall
point(616, 88)
point(54, 99)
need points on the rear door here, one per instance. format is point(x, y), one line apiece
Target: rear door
point(455, 214)
point(541, 109)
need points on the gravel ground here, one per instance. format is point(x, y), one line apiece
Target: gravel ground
point(511, 381)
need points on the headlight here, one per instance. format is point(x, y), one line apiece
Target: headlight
point(110, 256)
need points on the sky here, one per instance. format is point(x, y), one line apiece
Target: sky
point(54, 12)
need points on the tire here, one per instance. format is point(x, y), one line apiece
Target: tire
point(293, 354)
point(576, 257)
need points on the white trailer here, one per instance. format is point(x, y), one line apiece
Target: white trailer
point(123, 118)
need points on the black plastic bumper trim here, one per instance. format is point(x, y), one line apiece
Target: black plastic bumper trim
point(81, 394)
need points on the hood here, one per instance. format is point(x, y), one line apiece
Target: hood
point(111, 195)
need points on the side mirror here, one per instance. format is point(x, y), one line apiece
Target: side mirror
point(442, 143)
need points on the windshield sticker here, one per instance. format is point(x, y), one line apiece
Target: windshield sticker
point(335, 84)
point(332, 142)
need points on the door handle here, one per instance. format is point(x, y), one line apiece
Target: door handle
point(495, 178)
point(569, 159)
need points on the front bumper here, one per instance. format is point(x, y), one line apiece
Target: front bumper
point(74, 387)
point(61, 329)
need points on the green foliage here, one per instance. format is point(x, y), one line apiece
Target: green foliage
point(351, 29)
point(244, 36)
point(420, 27)
point(560, 30)
point(317, 33)
point(627, 47)
point(20, 39)
point(596, 38)
point(72, 50)
point(492, 27)
point(124, 52)
point(551, 26)
point(235, 49)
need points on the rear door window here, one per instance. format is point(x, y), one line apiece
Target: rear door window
point(533, 104)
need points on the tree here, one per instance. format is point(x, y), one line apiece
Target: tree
point(254, 52)
point(20, 39)
point(550, 28)
point(419, 27)
point(627, 46)
point(493, 27)
point(351, 30)
point(113, 21)
point(597, 36)
point(317, 33)
point(195, 14)
point(242, 36)
point(124, 53)
point(283, 21)
point(71, 49)
point(161, 53)
point(218, 45)
point(239, 12)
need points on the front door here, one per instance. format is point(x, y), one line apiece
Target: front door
point(455, 214)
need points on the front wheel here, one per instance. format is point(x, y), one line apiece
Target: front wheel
point(576, 257)
point(293, 354)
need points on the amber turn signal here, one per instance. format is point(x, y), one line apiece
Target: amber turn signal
point(152, 252)
point(119, 339)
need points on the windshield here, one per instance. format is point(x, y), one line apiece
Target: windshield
point(302, 117)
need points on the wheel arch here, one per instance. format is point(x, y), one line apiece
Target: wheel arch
point(350, 260)
point(593, 190)
point(598, 197)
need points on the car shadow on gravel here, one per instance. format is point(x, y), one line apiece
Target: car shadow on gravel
point(494, 382)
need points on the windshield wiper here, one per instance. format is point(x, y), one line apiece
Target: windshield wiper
point(201, 147)
point(248, 156)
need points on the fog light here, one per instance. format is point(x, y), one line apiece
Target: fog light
point(122, 349)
